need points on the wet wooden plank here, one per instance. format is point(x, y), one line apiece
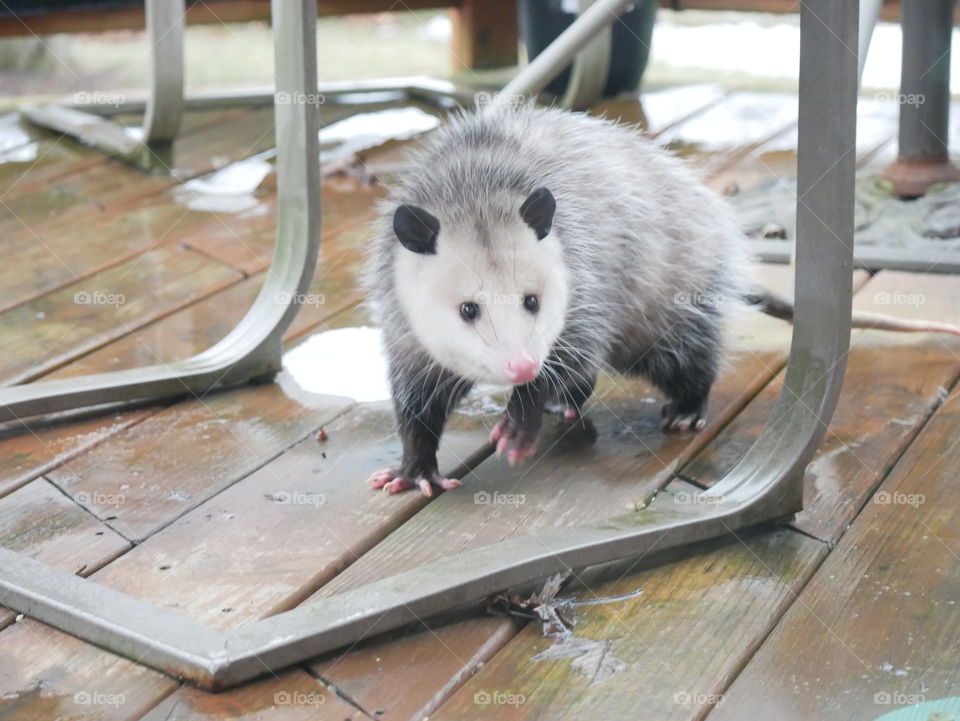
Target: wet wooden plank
point(107, 187)
point(42, 523)
point(107, 688)
point(290, 696)
point(45, 264)
point(218, 439)
point(677, 644)
point(345, 203)
point(893, 383)
point(32, 450)
point(877, 628)
point(51, 330)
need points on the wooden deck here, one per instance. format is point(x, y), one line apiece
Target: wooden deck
point(227, 508)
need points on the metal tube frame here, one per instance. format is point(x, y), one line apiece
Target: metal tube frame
point(150, 148)
point(766, 484)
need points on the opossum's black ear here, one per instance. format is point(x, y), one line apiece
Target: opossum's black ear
point(416, 229)
point(537, 211)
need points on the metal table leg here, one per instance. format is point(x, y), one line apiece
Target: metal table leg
point(149, 148)
point(253, 348)
point(766, 484)
point(924, 98)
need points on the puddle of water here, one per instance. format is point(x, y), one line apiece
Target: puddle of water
point(23, 154)
point(11, 134)
point(342, 362)
point(228, 190)
point(368, 130)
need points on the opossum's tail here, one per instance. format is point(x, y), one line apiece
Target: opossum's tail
point(780, 307)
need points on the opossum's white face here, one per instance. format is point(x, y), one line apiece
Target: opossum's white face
point(487, 308)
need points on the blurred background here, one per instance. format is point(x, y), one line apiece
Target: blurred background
point(750, 51)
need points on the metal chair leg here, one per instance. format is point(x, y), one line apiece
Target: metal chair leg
point(150, 147)
point(253, 348)
point(766, 484)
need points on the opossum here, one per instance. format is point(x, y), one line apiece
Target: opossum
point(534, 247)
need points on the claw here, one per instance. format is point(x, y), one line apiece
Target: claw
point(381, 478)
point(681, 423)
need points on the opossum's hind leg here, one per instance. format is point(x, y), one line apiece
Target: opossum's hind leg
point(685, 372)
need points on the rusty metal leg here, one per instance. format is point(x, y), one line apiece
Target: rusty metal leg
point(924, 98)
point(766, 484)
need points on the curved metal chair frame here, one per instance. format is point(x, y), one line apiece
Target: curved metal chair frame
point(766, 484)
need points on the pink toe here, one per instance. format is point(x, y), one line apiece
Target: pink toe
point(502, 446)
point(425, 487)
point(397, 485)
point(449, 483)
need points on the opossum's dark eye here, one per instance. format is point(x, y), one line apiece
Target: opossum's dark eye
point(469, 312)
point(531, 303)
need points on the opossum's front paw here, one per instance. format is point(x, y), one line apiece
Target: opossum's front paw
point(393, 481)
point(677, 422)
point(517, 440)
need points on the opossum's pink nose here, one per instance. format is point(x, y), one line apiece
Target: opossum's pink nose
point(522, 368)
